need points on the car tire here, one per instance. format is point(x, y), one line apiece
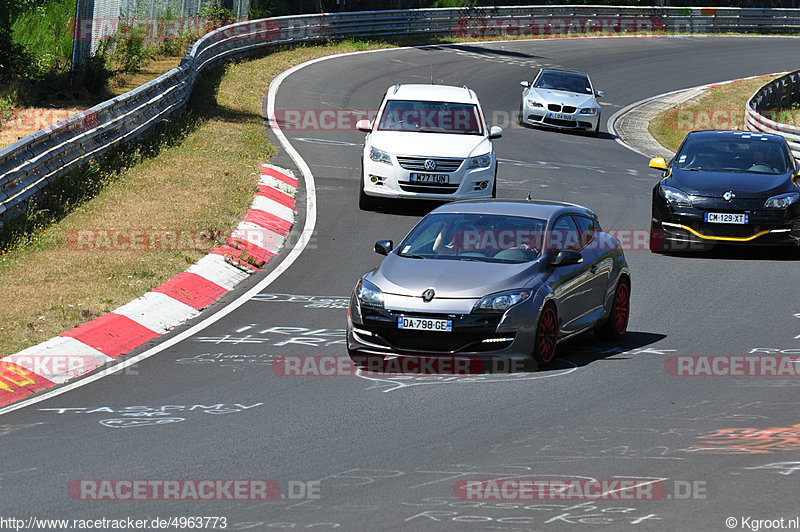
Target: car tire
point(617, 323)
point(546, 338)
point(494, 185)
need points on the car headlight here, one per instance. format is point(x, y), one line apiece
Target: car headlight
point(501, 301)
point(588, 111)
point(369, 295)
point(481, 161)
point(781, 201)
point(534, 103)
point(379, 156)
point(674, 196)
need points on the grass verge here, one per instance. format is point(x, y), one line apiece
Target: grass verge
point(720, 107)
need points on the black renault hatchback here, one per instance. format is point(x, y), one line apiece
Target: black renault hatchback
point(733, 187)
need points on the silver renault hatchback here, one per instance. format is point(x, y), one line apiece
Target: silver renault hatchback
point(491, 279)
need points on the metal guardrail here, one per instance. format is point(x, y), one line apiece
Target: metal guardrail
point(773, 106)
point(31, 163)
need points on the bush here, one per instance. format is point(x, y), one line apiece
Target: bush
point(216, 16)
point(130, 51)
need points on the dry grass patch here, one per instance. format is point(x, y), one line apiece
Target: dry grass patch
point(719, 107)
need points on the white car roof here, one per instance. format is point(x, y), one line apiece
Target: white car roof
point(434, 93)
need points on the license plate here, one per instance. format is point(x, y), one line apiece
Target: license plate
point(558, 116)
point(725, 218)
point(441, 179)
point(424, 324)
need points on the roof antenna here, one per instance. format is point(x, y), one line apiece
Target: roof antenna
point(529, 196)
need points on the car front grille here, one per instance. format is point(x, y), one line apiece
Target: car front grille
point(468, 334)
point(443, 164)
point(556, 108)
point(730, 230)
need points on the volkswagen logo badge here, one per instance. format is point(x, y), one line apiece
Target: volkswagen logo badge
point(427, 295)
point(429, 164)
point(729, 195)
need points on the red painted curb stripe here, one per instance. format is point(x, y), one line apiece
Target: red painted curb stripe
point(255, 251)
point(269, 221)
point(281, 197)
point(233, 254)
point(17, 383)
point(279, 176)
point(112, 334)
point(192, 289)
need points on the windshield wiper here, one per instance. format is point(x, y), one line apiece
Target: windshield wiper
point(411, 256)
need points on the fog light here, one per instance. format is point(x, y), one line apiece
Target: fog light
point(373, 179)
point(482, 185)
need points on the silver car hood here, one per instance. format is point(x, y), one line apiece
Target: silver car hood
point(575, 99)
point(450, 278)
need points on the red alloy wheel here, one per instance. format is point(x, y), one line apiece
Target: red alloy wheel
point(547, 335)
point(622, 305)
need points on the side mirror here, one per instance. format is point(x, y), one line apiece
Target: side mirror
point(525, 84)
point(384, 247)
point(659, 163)
point(495, 132)
point(566, 257)
point(364, 125)
point(599, 94)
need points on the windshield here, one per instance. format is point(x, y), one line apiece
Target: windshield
point(431, 117)
point(475, 237)
point(564, 81)
point(733, 155)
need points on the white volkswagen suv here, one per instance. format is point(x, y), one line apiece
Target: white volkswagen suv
point(428, 142)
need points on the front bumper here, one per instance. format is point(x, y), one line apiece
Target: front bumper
point(375, 332)
point(541, 116)
point(394, 181)
point(685, 226)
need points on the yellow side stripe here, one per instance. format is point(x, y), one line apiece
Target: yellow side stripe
point(727, 238)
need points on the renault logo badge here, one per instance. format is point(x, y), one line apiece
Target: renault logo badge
point(429, 164)
point(427, 295)
point(729, 195)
